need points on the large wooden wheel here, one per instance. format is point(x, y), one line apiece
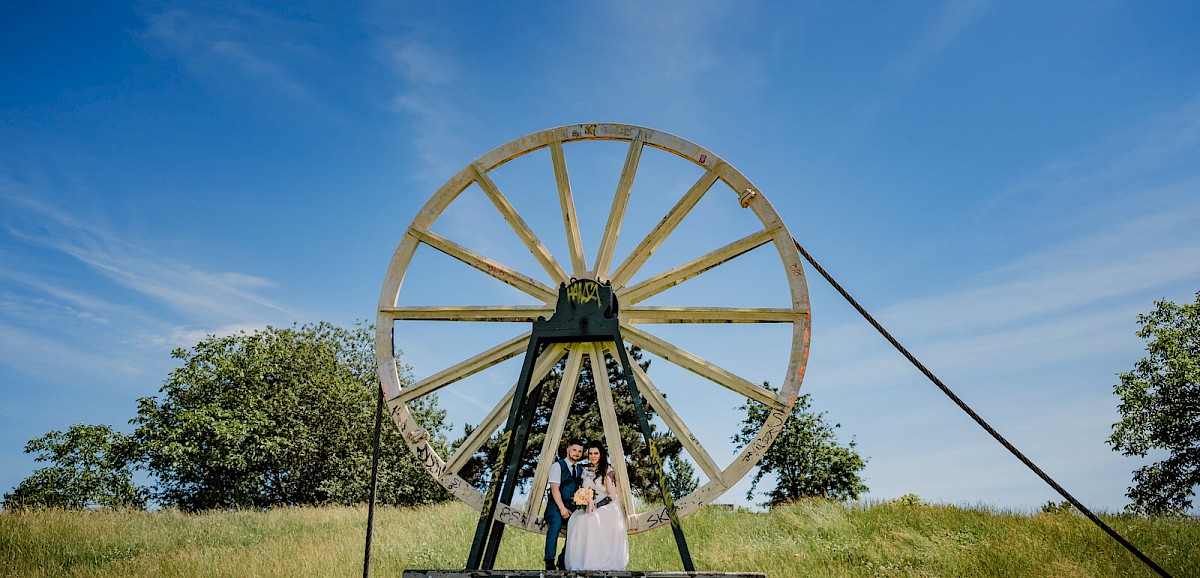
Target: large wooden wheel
point(631, 290)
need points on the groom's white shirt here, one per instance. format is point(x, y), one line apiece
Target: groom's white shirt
point(556, 472)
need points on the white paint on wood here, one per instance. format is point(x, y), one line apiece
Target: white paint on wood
point(567, 202)
point(654, 239)
point(733, 184)
point(667, 279)
point(608, 242)
point(611, 425)
point(504, 351)
point(519, 226)
point(487, 266)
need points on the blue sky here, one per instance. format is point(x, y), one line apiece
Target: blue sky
point(1004, 185)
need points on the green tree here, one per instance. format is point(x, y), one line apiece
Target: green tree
point(277, 417)
point(681, 476)
point(88, 472)
point(805, 459)
point(583, 422)
point(1160, 410)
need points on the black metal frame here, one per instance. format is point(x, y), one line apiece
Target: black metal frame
point(587, 312)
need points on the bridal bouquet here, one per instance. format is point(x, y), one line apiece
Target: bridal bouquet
point(583, 496)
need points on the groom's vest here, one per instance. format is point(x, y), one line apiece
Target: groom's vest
point(567, 486)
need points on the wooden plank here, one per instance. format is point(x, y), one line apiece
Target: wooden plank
point(567, 202)
point(652, 314)
point(682, 432)
point(756, 448)
point(616, 215)
point(489, 267)
point(535, 246)
point(663, 229)
point(573, 574)
point(499, 414)
point(499, 313)
point(611, 426)
point(663, 281)
point(695, 364)
point(504, 351)
point(554, 431)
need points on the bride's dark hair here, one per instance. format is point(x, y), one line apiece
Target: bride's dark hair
point(602, 465)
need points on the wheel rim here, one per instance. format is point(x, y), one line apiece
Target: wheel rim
point(603, 267)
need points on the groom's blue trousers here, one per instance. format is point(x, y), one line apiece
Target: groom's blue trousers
point(554, 524)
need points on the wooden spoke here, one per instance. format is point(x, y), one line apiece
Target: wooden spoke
point(491, 268)
point(633, 281)
point(611, 425)
point(648, 314)
point(554, 431)
point(663, 229)
point(608, 243)
point(512, 313)
point(663, 281)
point(546, 361)
point(507, 350)
point(519, 226)
point(567, 201)
point(699, 366)
point(659, 402)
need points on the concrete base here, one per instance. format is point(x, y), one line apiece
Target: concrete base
point(573, 574)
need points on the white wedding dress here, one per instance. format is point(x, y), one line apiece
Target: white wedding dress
point(597, 540)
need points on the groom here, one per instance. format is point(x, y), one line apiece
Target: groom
point(565, 477)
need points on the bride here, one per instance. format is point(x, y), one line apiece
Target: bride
point(597, 538)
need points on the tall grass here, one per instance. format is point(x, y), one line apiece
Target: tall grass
point(812, 538)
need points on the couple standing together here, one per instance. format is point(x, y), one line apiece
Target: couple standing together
point(583, 495)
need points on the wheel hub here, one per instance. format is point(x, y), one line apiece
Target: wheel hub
point(586, 310)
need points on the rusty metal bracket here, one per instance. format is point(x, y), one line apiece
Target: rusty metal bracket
point(745, 196)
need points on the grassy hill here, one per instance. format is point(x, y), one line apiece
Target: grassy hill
point(813, 538)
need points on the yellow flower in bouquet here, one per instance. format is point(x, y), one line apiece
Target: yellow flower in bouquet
point(583, 496)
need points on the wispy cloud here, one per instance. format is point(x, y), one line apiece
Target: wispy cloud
point(425, 77)
point(1059, 318)
point(208, 297)
point(666, 51)
point(1136, 234)
point(1147, 161)
point(1035, 317)
point(239, 46)
point(1126, 258)
point(631, 58)
point(419, 64)
point(949, 24)
point(46, 356)
point(946, 27)
point(60, 301)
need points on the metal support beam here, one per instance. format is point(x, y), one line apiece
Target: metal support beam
point(489, 531)
point(685, 555)
point(587, 312)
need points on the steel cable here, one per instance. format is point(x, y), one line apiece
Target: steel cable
point(979, 420)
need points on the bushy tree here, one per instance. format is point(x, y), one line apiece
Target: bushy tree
point(805, 459)
point(1160, 410)
point(681, 476)
point(583, 422)
point(277, 417)
point(87, 472)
